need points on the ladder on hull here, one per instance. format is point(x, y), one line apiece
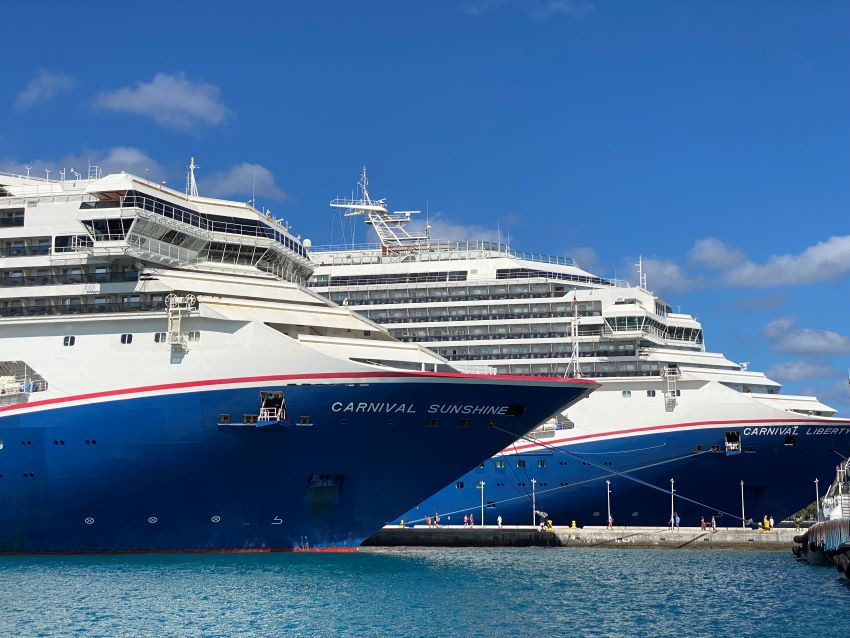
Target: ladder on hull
point(671, 374)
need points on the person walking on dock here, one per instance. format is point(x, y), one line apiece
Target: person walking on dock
point(466, 520)
point(436, 519)
point(713, 524)
point(702, 524)
point(428, 521)
point(771, 523)
point(676, 519)
point(472, 520)
point(499, 521)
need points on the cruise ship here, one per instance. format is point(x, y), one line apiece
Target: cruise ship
point(671, 423)
point(168, 383)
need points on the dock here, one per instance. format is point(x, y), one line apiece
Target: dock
point(588, 536)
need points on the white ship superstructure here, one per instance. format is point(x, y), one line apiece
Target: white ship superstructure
point(486, 304)
point(167, 382)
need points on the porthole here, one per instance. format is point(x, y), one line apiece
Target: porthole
point(434, 423)
point(69, 341)
point(463, 423)
point(596, 513)
point(215, 519)
point(634, 514)
point(152, 520)
point(126, 339)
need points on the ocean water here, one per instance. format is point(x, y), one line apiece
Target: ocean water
point(425, 592)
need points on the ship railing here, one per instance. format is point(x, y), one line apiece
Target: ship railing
point(12, 281)
point(79, 309)
point(265, 226)
point(438, 249)
point(469, 368)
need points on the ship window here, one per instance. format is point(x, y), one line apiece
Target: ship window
point(463, 423)
point(627, 394)
point(541, 463)
point(159, 337)
point(650, 393)
point(491, 505)
point(69, 341)
point(304, 420)
point(434, 423)
point(126, 339)
point(459, 485)
point(500, 465)
point(790, 440)
point(194, 335)
point(520, 463)
point(224, 419)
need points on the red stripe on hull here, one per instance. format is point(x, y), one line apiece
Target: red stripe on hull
point(285, 377)
point(670, 426)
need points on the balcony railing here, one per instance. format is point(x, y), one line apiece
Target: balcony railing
point(80, 309)
point(11, 281)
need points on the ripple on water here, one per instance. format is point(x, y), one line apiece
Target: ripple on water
point(504, 592)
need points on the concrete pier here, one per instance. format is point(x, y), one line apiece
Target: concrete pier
point(621, 537)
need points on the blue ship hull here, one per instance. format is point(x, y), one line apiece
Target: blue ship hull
point(163, 473)
point(777, 471)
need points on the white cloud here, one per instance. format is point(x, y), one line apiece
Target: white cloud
point(836, 395)
point(825, 261)
point(664, 276)
point(171, 100)
point(585, 256)
point(537, 9)
point(242, 180)
point(715, 254)
point(442, 228)
point(784, 336)
point(43, 87)
point(110, 160)
point(800, 371)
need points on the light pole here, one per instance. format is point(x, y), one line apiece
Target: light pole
point(608, 484)
point(533, 502)
point(817, 499)
point(743, 516)
point(482, 503)
point(672, 504)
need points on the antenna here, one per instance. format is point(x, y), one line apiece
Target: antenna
point(390, 227)
point(191, 184)
point(253, 184)
point(641, 273)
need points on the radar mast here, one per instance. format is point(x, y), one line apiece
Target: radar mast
point(390, 227)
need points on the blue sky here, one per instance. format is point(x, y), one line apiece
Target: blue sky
point(712, 138)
